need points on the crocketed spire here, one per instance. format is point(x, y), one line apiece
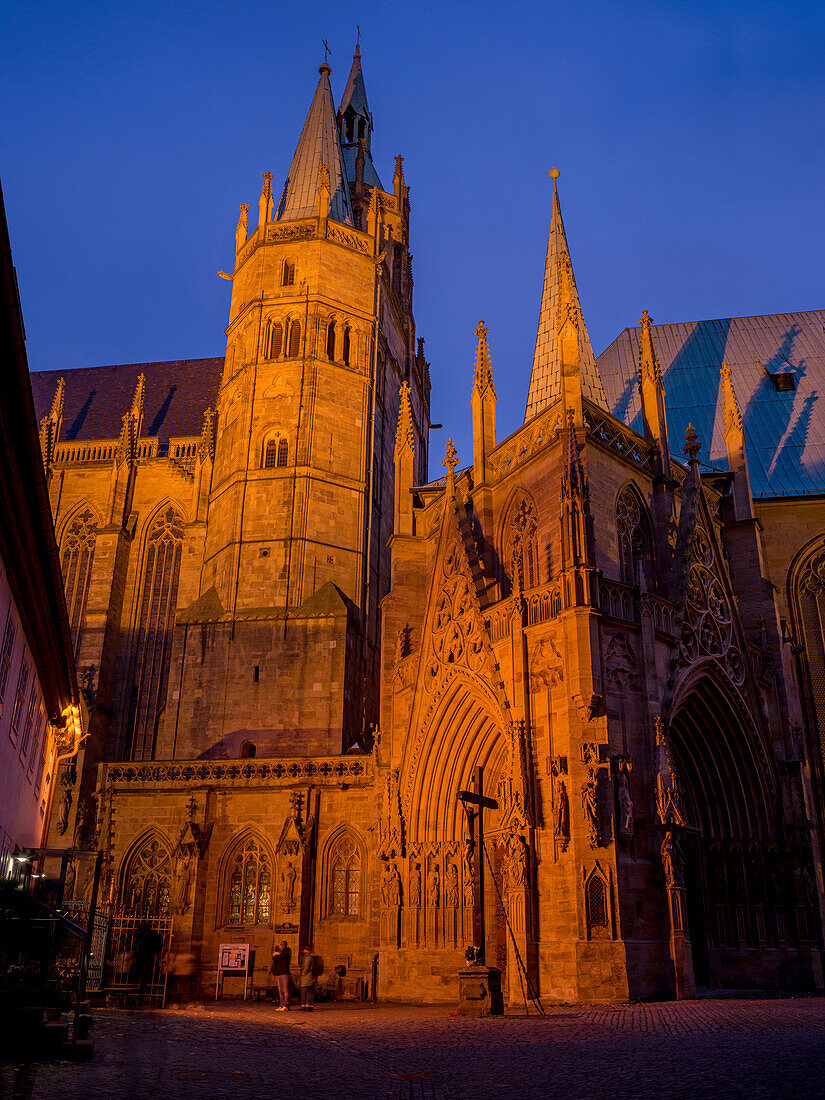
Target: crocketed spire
point(560, 303)
point(317, 145)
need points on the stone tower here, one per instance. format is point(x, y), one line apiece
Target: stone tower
point(276, 651)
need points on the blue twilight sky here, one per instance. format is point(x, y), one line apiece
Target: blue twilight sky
point(690, 138)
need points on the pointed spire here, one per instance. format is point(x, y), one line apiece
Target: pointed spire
point(137, 400)
point(50, 428)
point(355, 122)
point(734, 431)
point(404, 464)
point(265, 201)
point(562, 334)
point(317, 145)
point(241, 230)
point(57, 405)
point(484, 409)
point(651, 386)
point(450, 460)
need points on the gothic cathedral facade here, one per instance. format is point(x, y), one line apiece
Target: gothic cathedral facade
point(297, 650)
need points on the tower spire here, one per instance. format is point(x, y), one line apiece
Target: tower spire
point(652, 389)
point(563, 364)
point(355, 125)
point(484, 409)
point(317, 145)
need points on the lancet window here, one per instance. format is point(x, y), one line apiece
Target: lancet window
point(596, 902)
point(331, 341)
point(288, 277)
point(249, 886)
point(158, 603)
point(275, 340)
point(635, 541)
point(78, 556)
point(294, 347)
point(345, 347)
point(344, 871)
point(521, 548)
point(147, 882)
point(276, 453)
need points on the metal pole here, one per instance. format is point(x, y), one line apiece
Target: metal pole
point(478, 916)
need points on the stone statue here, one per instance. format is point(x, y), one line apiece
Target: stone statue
point(71, 878)
point(288, 878)
point(590, 805)
point(469, 876)
point(517, 861)
point(451, 886)
point(391, 886)
point(561, 812)
point(433, 887)
point(63, 811)
point(672, 861)
point(415, 886)
point(183, 880)
point(625, 808)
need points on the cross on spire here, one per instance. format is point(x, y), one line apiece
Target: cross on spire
point(328, 51)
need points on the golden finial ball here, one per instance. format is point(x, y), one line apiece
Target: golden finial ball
point(554, 173)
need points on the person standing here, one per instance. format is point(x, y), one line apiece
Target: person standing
point(307, 979)
point(281, 958)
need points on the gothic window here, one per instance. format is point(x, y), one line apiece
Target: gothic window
point(635, 541)
point(276, 341)
point(344, 893)
point(809, 592)
point(249, 886)
point(596, 903)
point(288, 278)
point(520, 546)
point(147, 882)
point(158, 602)
point(248, 750)
point(345, 345)
point(294, 339)
point(78, 555)
point(6, 653)
point(331, 341)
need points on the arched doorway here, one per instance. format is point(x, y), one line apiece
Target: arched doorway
point(729, 841)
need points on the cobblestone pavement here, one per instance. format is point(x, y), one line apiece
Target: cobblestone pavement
point(707, 1048)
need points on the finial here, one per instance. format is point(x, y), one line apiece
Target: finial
point(325, 67)
point(357, 41)
point(450, 459)
point(692, 444)
point(483, 375)
point(554, 174)
point(482, 331)
point(267, 177)
point(645, 320)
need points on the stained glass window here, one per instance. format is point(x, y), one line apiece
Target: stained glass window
point(345, 878)
point(249, 888)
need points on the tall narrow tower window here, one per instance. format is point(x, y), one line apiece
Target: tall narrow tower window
point(288, 278)
point(270, 454)
point(276, 341)
point(153, 649)
point(283, 452)
point(345, 347)
point(78, 555)
point(294, 339)
point(331, 341)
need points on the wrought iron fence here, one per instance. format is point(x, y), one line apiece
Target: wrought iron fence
point(67, 958)
point(132, 969)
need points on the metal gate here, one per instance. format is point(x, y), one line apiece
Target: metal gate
point(125, 976)
point(67, 957)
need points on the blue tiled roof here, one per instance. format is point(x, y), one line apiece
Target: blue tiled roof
point(784, 431)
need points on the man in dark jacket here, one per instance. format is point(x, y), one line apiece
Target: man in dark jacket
point(281, 958)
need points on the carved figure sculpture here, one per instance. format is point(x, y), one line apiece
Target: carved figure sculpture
point(672, 862)
point(288, 878)
point(183, 880)
point(63, 810)
point(451, 886)
point(391, 886)
point(561, 812)
point(433, 887)
point(625, 808)
point(415, 886)
point(590, 805)
point(517, 861)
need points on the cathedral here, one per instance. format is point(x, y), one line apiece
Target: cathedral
point(296, 650)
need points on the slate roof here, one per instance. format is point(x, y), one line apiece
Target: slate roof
point(545, 380)
point(784, 431)
point(355, 96)
point(317, 145)
point(177, 394)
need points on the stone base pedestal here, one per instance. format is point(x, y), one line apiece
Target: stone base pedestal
point(479, 991)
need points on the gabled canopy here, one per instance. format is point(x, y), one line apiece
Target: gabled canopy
point(317, 145)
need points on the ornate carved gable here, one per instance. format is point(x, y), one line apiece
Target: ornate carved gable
point(455, 641)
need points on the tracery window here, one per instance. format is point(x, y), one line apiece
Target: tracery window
point(158, 602)
point(147, 882)
point(521, 549)
point(78, 556)
point(596, 903)
point(635, 541)
point(345, 878)
point(249, 886)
